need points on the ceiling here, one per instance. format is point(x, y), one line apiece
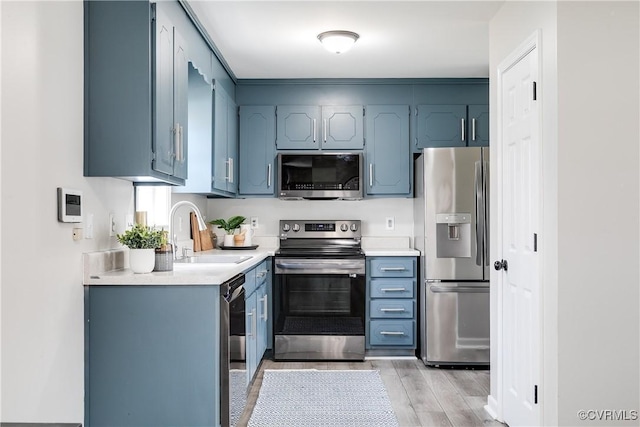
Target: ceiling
point(398, 39)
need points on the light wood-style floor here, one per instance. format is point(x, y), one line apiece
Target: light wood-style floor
point(420, 396)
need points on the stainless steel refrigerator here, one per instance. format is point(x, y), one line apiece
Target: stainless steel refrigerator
point(451, 214)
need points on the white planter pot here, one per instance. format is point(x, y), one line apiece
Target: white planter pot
point(228, 240)
point(142, 260)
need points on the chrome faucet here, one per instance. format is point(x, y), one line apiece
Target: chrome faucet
point(201, 225)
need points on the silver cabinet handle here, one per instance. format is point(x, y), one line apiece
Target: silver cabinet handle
point(473, 129)
point(228, 168)
point(392, 269)
point(314, 130)
point(462, 126)
point(269, 175)
point(392, 310)
point(231, 170)
point(370, 174)
point(391, 333)
point(393, 289)
point(264, 308)
point(176, 141)
point(324, 131)
point(251, 316)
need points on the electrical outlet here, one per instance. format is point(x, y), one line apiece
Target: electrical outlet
point(128, 221)
point(254, 222)
point(390, 223)
point(112, 225)
point(77, 234)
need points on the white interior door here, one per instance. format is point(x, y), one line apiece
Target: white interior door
point(519, 276)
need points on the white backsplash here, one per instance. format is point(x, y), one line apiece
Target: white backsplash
point(372, 213)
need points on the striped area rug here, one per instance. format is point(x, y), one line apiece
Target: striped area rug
point(309, 397)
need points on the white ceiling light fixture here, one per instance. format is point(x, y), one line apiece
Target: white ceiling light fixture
point(338, 41)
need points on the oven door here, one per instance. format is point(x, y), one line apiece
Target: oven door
point(319, 309)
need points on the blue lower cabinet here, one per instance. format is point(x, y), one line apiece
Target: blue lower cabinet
point(257, 318)
point(391, 305)
point(152, 356)
point(393, 333)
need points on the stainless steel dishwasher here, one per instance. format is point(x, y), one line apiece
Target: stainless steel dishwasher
point(231, 291)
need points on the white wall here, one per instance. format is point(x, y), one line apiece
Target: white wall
point(598, 164)
point(372, 213)
point(512, 25)
point(42, 148)
point(590, 163)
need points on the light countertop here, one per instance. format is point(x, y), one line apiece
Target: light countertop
point(110, 268)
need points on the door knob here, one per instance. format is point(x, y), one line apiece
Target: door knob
point(501, 265)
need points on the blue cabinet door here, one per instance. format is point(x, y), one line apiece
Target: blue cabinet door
point(257, 150)
point(163, 138)
point(388, 159)
point(232, 145)
point(342, 127)
point(478, 125)
point(251, 343)
point(220, 137)
point(181, 104)
point(441, 126)
point(297, 127)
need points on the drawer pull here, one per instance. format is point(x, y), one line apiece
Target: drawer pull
point(397, 333)
point(393, 269)
point(392, 310)
point(393, 289)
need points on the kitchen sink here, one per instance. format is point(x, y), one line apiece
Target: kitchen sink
point(214, 259)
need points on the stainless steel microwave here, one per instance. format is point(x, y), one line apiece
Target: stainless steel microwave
point(320, 176)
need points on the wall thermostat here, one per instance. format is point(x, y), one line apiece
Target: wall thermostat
point(69, 205)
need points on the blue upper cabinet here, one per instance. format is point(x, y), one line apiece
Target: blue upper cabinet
point(257, 150)
point(387, 153)
point(301, 127)
point(135, 93)
point(451, 126)
point(342, 127)
point(441, 126)
point(225, 143)
point(478, 125)
point(297, 127)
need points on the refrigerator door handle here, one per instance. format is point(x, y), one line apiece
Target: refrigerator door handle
point(459, 289)
point(485, 208)
point(479, 212)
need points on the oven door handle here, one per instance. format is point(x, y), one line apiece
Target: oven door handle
point(317, 266)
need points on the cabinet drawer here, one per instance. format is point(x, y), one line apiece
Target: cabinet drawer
point(391, 308)
point(261, 273)
point(392, 332)
point(392, 288)
point(393, 267)
point(249, 282)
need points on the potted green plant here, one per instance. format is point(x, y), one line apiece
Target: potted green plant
point(229, 226)
point(142, 242)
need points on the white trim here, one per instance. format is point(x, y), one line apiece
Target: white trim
point(495, 403)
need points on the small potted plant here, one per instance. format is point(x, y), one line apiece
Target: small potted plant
point(229, 226)
point(142, 242)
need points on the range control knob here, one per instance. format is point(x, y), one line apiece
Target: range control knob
point(354, 227)
point(286, 227)
point(296, 227)
point(344, 227)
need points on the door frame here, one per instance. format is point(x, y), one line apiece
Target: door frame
point(495, 403)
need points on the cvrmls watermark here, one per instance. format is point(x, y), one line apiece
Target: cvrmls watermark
point(608, 415)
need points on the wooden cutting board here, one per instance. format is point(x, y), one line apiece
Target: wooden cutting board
point(195, 232)
point(206, 243)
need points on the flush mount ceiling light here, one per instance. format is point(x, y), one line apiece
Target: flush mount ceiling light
point(338, 41)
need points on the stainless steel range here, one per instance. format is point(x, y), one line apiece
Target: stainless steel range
point(319, 291)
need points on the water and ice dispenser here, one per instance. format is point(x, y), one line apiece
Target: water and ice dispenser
point(453, 235)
